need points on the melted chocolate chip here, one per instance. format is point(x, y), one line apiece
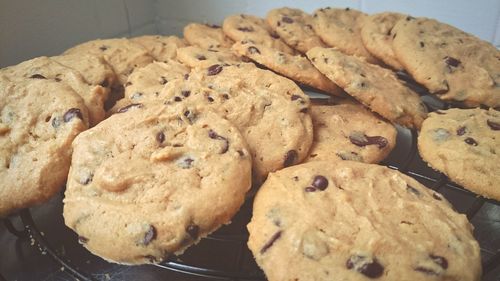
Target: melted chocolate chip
point(186, 93)
point(412, 189)
point(160, 137)
point(287, 19)
point(225, 96)
point(149, 236)
point(253, 50)
point(126, 108)
point(82, 240)
point(193, 230)
point(245, 29)
point(471, 141)
point(214, 69)
point(71, 113)
point(320, 182)
point(422, 44)
point(461, 131)
point(271, 241)
point(241, 153)
point(37, 76)
point(186, 76)
point(493, 125)
point(441, 261)
point(370, 269)
point(177, 99)
point(451, 61)
point(364, 140)
point(201, 57)
point(210, 99)
point(103, 48)
point(213, 135)
point(290, 157)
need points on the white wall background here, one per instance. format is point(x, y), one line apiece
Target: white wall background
point(30, 28)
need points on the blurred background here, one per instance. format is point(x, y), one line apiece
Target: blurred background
point(33, 28)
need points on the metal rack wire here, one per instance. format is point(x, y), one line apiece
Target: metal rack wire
point(238, 241)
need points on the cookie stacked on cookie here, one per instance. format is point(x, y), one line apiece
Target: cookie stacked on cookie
point(159, 138)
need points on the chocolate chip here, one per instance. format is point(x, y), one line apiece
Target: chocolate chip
point(186, 93)
point(253, 50)
point(245, 29)
point(214, 69)
point(71, 113)
point(369, 268)
point(57, 79)
point(441, 261)
point(82, 240)
point(240, 152)
point(213, 135)
point(160, 137)
point(408, 18)
point(149, 236)
point(471, 141)
point(37, 76)
point(412, 189)
point(361, 140)
point(451, 61)
point(278, 23)
point(103, 48)
point(320, 182)
point(56, 122)
point(225, 96)
point(287, 19)
point(290, 157)
point(275, 35)
point(437, 197)
point(193, 230)
point(461, 131)
point(126, 108)
point(185, 162)
point(163, 80)
point(270, 243)
point(177, 99)
point(310, 189)
point(210, 99)
point(105, 83)
point(422, 44)
point(201, 57)
point(186, 76)
point(493, 125)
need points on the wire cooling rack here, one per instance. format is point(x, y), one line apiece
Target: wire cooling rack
point(224, 255)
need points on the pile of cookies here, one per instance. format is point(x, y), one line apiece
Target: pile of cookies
point(159, 139)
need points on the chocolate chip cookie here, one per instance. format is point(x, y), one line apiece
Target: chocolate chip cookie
point(247, 27)
point(270, 111)
point(464, 144)
point(295, 67)
point(48, 68)
point(454, 65)
point(350, 132)
point(161, 48)
point(295, 27)
point(345, 220)
point(375, 87)
point(39, 118)
point(194, 56)
point(122, 54)
point(341, 28)
point(207, 36)
point(149, 182)
point(377, 37)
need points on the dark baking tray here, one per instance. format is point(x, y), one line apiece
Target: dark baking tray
point(36, 245)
